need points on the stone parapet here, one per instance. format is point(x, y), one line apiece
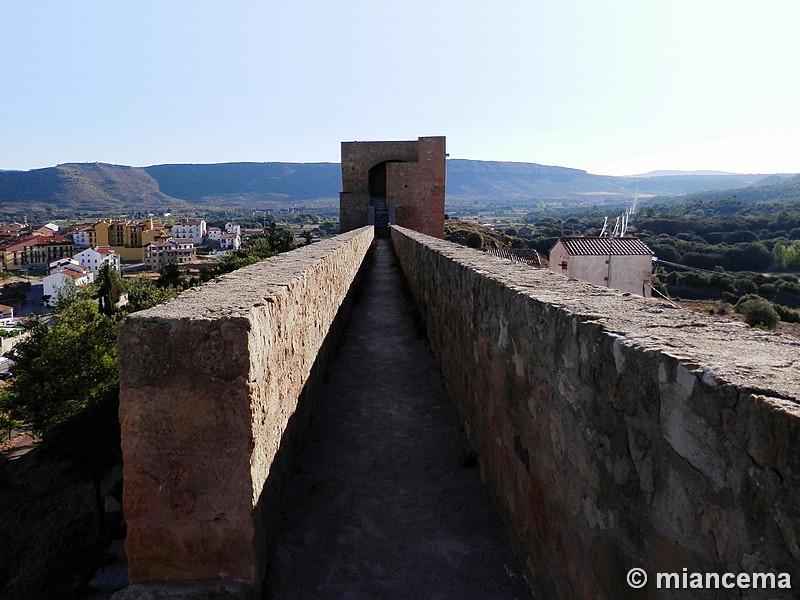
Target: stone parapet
point(613, 431)
point(214, 395)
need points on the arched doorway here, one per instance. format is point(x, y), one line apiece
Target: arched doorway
point(379, 210)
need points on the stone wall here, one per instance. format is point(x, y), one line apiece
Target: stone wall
point(615, 432)
point(215, 392)
point(417, 189)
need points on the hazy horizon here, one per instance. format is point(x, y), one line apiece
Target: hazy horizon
point(654, 173)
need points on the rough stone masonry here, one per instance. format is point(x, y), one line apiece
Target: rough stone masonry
point(211, 404)
point(615, 432)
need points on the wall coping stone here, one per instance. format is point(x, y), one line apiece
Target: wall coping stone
point(719, 352)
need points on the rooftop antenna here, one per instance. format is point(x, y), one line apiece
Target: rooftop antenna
point(624, 224)
point(635, 200)
point(604, 231)
point(615, 233)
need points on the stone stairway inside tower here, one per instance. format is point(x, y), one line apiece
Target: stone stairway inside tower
point(381, 216)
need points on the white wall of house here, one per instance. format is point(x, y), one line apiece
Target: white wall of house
point(625, 273)
point(94, 260)
point(233, 228)
point(194, 230)
point(81, 238)
point(55, 282)
point(230, 241)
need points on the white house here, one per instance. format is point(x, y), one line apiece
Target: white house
point(214, 233)
point(622, 263)
point(233, 228)
point(6, 313)
point(94, 258)
point(229, 241)
point(65, 277)
point(63, 263)
point(193, 229)
point(80, 237)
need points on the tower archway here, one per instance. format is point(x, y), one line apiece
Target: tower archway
point(381, 213)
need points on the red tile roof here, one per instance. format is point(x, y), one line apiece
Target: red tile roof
point(40, 241)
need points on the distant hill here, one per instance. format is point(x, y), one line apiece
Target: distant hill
point(690, 173)
point(113, 188)
point(282, 182)
point(87, 187)
point(510, 180)
point(778, 190)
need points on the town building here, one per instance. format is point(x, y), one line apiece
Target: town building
point(622, 263)
point(6, 312)
point(37, 252)
point(229, 241)
point(193, 229)
point(94, 258)
point(158, 255)
point(81, 236)
point(64, 278)
point(126, 238)
point(46, 230)
point(213, 233)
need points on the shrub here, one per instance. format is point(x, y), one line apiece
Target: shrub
point(475, 240)
point(758, 312)
point(787, 315)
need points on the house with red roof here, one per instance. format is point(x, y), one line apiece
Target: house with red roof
point(37, 252)
point(94, 258)
point(63, 279)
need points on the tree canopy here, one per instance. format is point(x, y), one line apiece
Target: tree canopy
point(61, 370)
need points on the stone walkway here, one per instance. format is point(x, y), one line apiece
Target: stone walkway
point(387, 501)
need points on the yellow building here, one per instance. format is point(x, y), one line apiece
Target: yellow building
point(126, 238)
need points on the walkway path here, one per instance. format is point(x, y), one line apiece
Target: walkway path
point(387, 501)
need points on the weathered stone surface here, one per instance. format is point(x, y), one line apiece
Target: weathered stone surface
point(615, 432)
point(210, 382)
point(189, 590)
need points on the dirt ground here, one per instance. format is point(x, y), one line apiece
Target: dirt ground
point(21, 441)
point(729, 313)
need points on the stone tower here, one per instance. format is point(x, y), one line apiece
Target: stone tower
point(394, 182)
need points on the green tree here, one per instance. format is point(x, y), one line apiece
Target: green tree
point(171, 276)
point(71, 293)
point(280, 239)
point(787, 256)
point(758, 312)
point(143, 293)
point(109, 289)
point(62, 370)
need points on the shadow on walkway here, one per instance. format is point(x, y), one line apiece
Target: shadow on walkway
point(387, 500)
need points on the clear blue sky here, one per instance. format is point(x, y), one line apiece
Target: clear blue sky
point(611, 86)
